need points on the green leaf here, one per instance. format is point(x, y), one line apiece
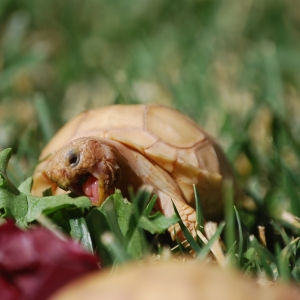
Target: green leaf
point(47, 205)
point(5, 183)
point(113, 217)
point(139, 205)
point(117, 209)
point(25, 208)
point(124, 211)
point(25, 186)
point(80, 232)
point(98, 224)
point(157, 223)
point(117, 215)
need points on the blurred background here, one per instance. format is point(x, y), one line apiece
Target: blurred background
point(233, 66)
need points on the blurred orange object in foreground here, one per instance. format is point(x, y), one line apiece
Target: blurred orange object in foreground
point(172, 280)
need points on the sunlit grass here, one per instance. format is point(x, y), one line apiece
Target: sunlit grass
point(232, 66)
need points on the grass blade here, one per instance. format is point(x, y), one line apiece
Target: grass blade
point(263, 256)
point(229, 214)
point(114, 247)
point(43, 114)
point(282, 263)
point(108, 208)
point(139, 202)
point(206, 249)
point(150, 205)
point(199, 210)
point(187, 234)
point(241, 238)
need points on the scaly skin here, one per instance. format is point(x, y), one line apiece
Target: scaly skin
point(103, 159)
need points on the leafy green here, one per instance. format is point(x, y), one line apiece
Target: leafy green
point(98, 224)
point(120, 217)
point(133, 243)
point(157, 223)
point(80, 232)
point(19, 204)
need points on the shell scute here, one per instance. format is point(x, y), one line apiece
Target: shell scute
point(163, 154)
point(120, 116)
point(207, 157)
point(135, 138)
point(186, 172)
point(187, 191)
point(169, 126)
point(188, 156)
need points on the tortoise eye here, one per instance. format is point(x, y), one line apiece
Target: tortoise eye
point(73, 158)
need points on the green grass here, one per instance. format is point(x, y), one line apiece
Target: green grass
point(233, 66)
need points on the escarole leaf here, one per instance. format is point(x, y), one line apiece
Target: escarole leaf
point(156, 223)
point(18, 204)
point(124, 221)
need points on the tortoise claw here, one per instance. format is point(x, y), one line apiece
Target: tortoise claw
point(176, 231)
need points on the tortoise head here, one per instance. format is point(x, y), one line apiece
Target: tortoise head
point(88, 166)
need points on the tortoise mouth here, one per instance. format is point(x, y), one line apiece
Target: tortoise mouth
point(86, 185)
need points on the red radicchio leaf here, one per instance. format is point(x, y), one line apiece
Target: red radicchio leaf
point(34, 263)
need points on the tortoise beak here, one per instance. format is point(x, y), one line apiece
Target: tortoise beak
point(76, 189)
point(76, 184)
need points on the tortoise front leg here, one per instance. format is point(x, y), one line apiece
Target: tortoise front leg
point(189, 219)
point(186, 213)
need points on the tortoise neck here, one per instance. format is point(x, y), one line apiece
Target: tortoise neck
point(113, 170)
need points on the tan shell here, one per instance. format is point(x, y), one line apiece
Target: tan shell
point(163, 136)
point(172, 280)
